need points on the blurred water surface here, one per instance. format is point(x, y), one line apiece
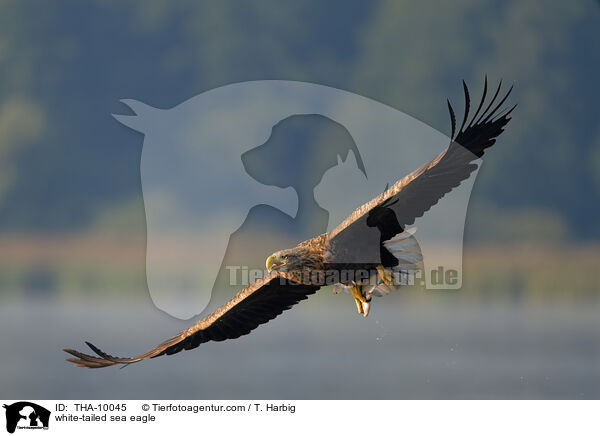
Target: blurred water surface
point(434, 348)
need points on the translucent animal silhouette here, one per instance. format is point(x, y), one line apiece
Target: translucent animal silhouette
point(197, 192)
point(341, 203)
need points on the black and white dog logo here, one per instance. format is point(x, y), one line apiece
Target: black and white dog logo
point(26, 415)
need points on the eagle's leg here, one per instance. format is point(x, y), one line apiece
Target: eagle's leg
point(362, 304)
point(355, 291)
point(385, 275)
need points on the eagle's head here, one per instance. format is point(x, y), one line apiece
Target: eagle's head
point(305, 257)
point(286, 260)
point(298, 259)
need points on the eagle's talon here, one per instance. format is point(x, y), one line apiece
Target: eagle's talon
point(359, 298)
point(385, 276)
point(365, 307)
point(359, 306)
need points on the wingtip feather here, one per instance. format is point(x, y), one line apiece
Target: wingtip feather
point(452, 119)
point(467, 105)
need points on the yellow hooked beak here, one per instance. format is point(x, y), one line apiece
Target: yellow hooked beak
point(274, 262)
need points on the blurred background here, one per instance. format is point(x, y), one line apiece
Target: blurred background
point(525, 324)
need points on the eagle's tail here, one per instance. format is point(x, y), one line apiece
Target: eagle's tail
point(406, 249)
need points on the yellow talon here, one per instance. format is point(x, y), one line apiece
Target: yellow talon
point(385, 275)
point(359, 299)
point(358, 306)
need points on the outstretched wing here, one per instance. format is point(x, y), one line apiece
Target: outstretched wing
point(415, 194)
point(254, 305)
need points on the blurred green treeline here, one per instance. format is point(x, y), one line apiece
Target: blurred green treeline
point(69, 173)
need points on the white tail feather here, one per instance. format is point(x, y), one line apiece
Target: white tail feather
point(405, 248)
point(380, 290)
